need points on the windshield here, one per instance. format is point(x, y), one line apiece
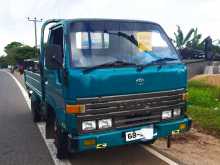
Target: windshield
point(99, 42)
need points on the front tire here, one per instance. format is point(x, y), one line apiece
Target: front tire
point(61, 142)
point(50, 123)
point(35, 109)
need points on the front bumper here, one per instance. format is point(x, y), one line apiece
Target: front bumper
point(117, 137)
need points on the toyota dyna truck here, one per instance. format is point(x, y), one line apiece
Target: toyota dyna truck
point(104, 83)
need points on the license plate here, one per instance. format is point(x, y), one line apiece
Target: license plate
point(144, 134)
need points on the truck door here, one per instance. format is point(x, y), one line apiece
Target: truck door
point(53, 77)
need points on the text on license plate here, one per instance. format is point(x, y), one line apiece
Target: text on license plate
point(144, 133)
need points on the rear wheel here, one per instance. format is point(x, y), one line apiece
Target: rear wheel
point(35, 109)
point(61, 141)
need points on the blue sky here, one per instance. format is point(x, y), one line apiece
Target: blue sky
point(169, 13)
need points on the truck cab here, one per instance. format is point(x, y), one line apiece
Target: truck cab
point(106, 83)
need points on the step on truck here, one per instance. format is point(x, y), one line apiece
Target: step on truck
point(104, 83)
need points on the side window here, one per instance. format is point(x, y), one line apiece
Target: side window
point(56, 37)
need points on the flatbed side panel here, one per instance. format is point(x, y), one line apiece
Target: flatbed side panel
point(33, 82)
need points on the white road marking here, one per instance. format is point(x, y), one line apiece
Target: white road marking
point(41, 126)
point(159, 155)
point(50, 142)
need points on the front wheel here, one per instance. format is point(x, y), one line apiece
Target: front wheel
point(35, 109)
point(50, 123)
point(61, 142)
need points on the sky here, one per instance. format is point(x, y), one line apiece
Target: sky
point(14, 25)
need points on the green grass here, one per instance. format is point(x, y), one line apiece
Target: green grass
point(204, 106)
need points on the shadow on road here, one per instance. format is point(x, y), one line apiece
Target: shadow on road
point(125, 155)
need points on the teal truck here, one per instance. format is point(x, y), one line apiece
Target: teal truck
point(104, 83)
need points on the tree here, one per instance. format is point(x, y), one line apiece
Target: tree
point(12, 45)
point(16, 52)
point(3, 62)
point(195, 41)
point(180, 40)
point(192, 39)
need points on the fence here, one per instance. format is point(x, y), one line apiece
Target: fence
point(195, 67)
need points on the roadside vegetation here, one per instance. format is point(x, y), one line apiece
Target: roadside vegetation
point(204, 104)
point(192, 39)
point(191, 45)
point(16, 52)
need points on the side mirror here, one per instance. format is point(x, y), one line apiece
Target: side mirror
point(53, 56)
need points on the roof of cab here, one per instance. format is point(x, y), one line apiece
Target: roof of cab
point(67, 21)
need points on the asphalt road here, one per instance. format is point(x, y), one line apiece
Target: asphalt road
point(20, 140)
point(22, 144)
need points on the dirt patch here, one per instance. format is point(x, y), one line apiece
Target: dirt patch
point(212, 132)
point(209, 79)
point(192, 148)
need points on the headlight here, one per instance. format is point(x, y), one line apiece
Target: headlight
point(176, 112)
point(105, 123)
point(88, 125)
point(166, 114)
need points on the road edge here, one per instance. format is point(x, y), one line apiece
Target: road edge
point(159, 155)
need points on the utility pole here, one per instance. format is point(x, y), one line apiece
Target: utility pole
point(35, 20)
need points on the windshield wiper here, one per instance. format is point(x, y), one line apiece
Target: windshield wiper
point(108, 64)
point(130, 38)
point(159, 62)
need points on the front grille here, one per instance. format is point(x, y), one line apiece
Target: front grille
point(131, 110)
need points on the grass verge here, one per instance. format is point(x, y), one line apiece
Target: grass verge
point(204, 106)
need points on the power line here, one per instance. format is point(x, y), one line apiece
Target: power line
point(35, 20)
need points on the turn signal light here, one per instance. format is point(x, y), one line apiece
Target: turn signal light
point(89, 142)
point(75, 109)
point(182, 126)
point(185, 96)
